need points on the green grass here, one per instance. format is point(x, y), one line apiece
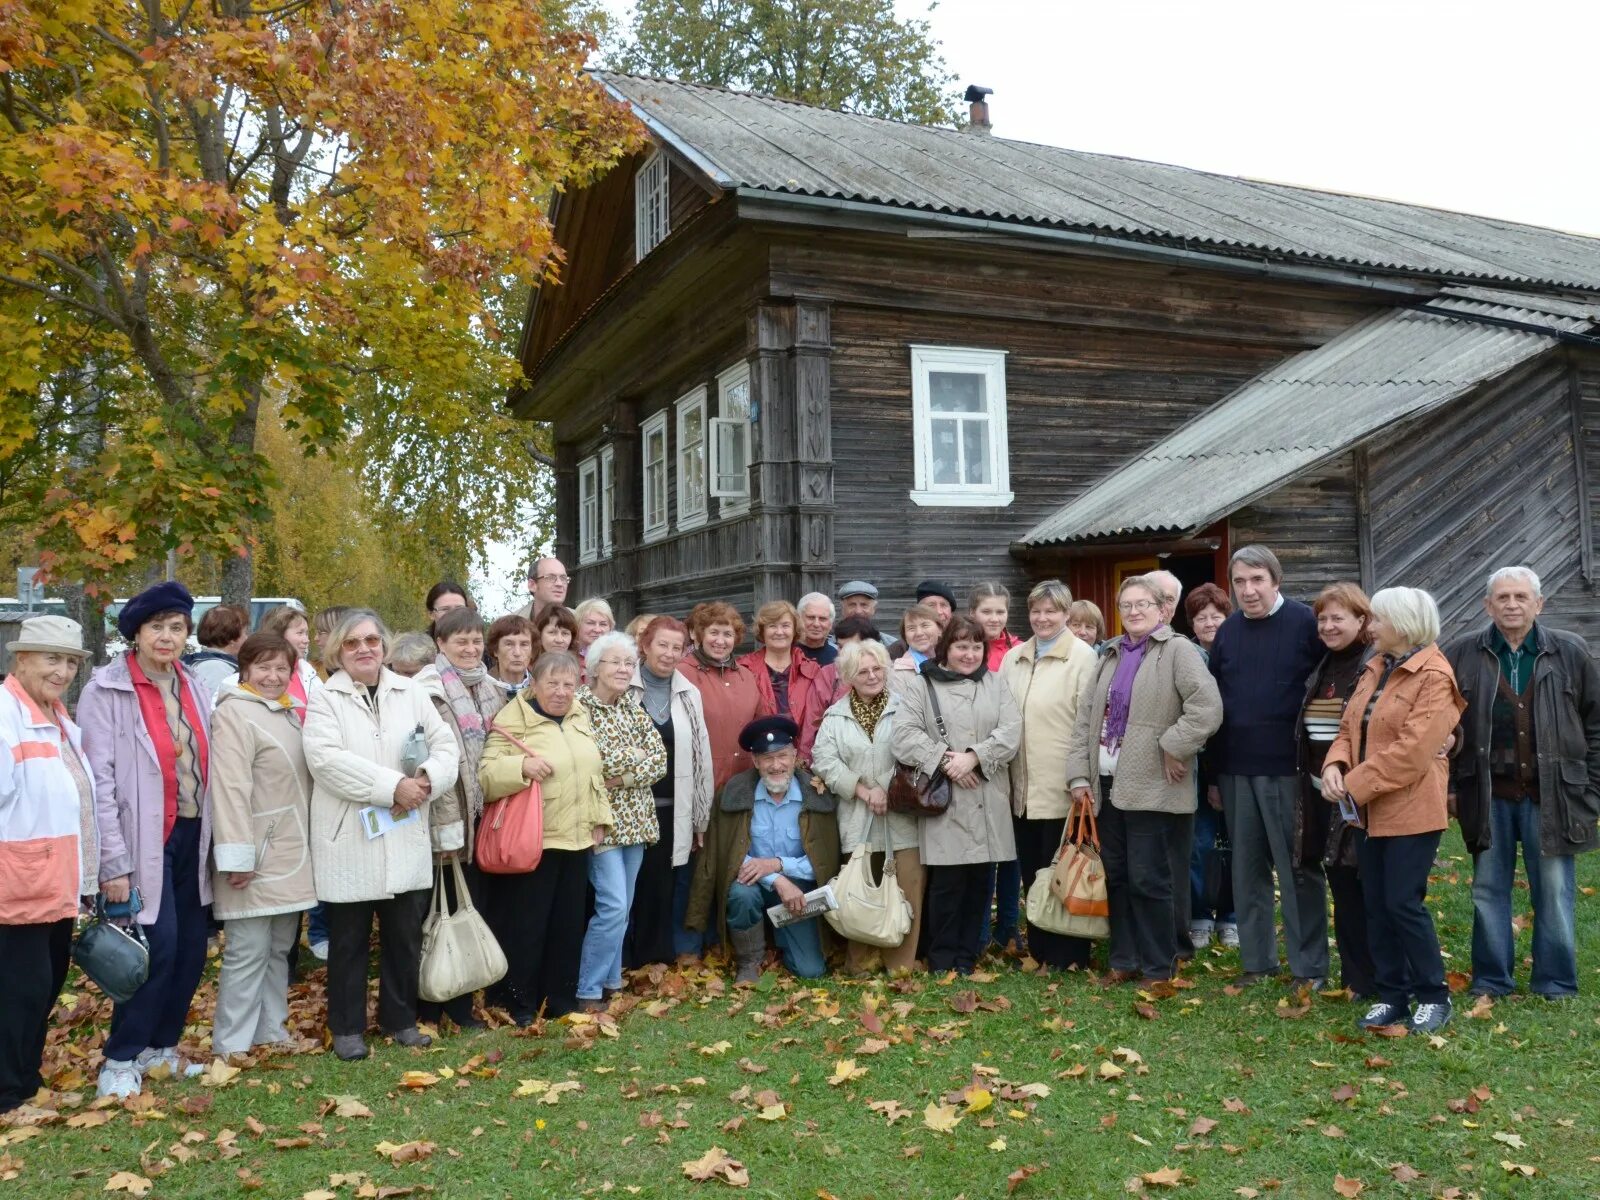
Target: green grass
point(1296, 1101)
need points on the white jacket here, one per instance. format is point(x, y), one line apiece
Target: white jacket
point(354, 756)
point(691, 764)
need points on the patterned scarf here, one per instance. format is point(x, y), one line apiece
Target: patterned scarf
point(154, 711)
point(474, 700)
point(868, 710)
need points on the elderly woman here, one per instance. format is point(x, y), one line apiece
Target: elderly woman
point(1385, 765)
point(555, 630)
point(682, 795)
point(595, 620)
point(1149, 708)
point(1343, 616)
point(147, 728)
point(963, 720)
point(543, 736)
point(1046, 674)
point(1087, 623)
point(730, 694)
point(1210, 882)
point(49, 850)
point(920, 628)
point(410, 653)
point(373, 854)
point(791, 684)
point(508, 649)
point(634, 759)
point(261, 818)
point(854, 756)
point(466, 699)
point(773, 836)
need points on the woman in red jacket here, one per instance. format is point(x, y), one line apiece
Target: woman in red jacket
point(791, 684)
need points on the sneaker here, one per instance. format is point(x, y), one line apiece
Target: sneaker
point(1384, 1014)
point(151, 1060)
point(1228, 934)
point(1200, 934)
point(120, 1078)
point(319, 950)
point(1251, 978)
point(1430, 1017)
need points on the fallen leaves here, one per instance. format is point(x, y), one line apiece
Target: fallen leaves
point(1164, 1177)
point(1514, 1140)
point(219, 1074)
point(891, 1109)
point(1019, 1176)
point(127, 1181)
point(1512, 1168)
point(1348, 1187)
point(417, 1080)
point(716, 1048)
point(844, 1071)
point(941, 1118)
point(406, 1152)
point(716, 1163)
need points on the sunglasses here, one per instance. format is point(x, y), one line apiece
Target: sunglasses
point(371, 642)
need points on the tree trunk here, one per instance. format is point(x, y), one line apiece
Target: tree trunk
point(87, 613)
point(239, 578)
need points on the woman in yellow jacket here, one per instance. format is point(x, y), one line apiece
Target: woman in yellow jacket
point(539, 915)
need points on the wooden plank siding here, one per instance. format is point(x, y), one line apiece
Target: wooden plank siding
point(1310, 524)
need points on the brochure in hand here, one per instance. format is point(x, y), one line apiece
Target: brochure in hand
point(818, 901)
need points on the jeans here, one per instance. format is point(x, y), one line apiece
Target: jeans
point(1207, 824)
point(153, 1018)
point(612, 874)
point(1260, 811)
point(1005, 885)
point(1551, 886)
point(799, 943)
point(1405, 945)
point(316, 924)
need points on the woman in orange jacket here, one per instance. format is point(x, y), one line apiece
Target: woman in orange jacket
point(1385, 770)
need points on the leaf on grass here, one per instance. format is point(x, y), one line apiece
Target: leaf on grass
point(1123, 1054)
point(716, 1048)
point(1202, 1126)
point(219, 1074)
point(1146, 1011)
point(941, 1118)
point(349, 1108)
point(127, 1181)
point(1514, 1140)
point(773, 1112)
point(1390, 1031)
point(1110, 1070)
point(1017, 1177)
point(418, 1079)
point(1165, 1177)
point(1348, 1187)
point(291, 1143)
point(964, 1002)
point(1331, 1131)
point(1346, 1091)
point(751, 1068)
point(1249, 1193)
point(405, 1152)
point(871, 1022)
point(891, 1109)
point(845, 1070)
point(998, 1144)
point(320, 1194)
point(717, 1163)
point(977, 1098)
point(1511, 1168)
point(872, 1046)
point(1404, 1172)
point(1235, 1105)
point(89, 1120)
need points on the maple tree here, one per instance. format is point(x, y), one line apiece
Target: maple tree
point(308, 211)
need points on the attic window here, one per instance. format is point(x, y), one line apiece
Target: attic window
point(650, 205)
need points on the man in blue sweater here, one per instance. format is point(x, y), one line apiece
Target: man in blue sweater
point(1262, 657)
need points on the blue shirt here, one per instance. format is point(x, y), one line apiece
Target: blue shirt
point(775, 833)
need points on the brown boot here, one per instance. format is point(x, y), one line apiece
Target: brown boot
point(749, 948)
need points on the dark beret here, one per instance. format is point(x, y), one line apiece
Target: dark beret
point(766, 734)
point(167, 597)
point(932, 587)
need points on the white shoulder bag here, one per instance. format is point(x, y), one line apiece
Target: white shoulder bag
point(459, 954)
point(874, 913)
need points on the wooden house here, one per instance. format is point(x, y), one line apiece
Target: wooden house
point(794, 346)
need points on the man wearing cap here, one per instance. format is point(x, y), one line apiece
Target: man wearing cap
point(940, 597)
point(49, 852)
point(772, 836)
point(858, 598)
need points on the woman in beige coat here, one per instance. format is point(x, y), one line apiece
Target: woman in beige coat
point(1046, 674)
point(974, 748)
point(1149, 709)
point(854, 756)
point(260, 810)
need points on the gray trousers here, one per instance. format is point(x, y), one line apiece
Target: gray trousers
point(253, 986)
point(1260, 811)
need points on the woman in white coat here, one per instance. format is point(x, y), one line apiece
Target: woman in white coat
point(371, 851)
point(854, 756)
point(683, 798)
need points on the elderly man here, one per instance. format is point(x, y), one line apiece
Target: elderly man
point(816, 629)
point(1261, 658)
point(858, 598)
point(772, 836)
point(547, 584)
point(1527, 771)
point(1171, 592)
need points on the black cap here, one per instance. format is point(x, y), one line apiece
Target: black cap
point(766, 734)
point(932, 587)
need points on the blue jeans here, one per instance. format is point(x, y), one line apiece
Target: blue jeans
point(800, 943)
point(612, 875)
point(1005, 885)
point(1551, 885)
point(1207, 823)
point(316, 925)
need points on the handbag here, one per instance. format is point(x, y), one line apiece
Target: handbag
point(1218, 895)
point(872, 913)
point(915, 791)
point(116, 959)
point(459, 954)
point(1069, 896)
point(511, 840)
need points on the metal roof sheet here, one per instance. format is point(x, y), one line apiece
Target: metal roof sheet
point(758, 142)
point(1388, 368)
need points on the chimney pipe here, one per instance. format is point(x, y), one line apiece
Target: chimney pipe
point(979, 122)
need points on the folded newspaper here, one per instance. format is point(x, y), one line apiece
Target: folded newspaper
point(818, 901)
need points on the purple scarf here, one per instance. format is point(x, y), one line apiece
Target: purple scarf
point(1120, 695)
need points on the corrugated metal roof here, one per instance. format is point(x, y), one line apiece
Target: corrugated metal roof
point(743, 140)
point(1390, 367)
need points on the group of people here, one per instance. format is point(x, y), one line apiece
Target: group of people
point(689, 793)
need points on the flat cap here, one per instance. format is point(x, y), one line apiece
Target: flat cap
point(858, 587)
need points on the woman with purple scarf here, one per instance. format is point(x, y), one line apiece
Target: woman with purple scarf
point(1150, 707)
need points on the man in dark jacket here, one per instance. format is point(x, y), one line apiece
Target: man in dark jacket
point(1527, 771)
point(1261, 658)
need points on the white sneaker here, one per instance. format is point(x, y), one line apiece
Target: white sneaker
point(1200, 934)
point(176, 1067)
point(120, 1077)
point(319, 951)
point(1228, 934)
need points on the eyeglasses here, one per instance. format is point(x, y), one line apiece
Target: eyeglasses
point(1133, 606)
point(371, 642)
point(617, 662)
point(552, 578)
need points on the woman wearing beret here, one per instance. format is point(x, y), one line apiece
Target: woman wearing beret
point(147, 732)
point(49, 853)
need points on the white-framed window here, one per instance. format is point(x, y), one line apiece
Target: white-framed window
point(608, 492)
point(653, 438)
point(650, 212)
point(958, 406)
point(589, 522)
point(730, 442)
point(691, 410)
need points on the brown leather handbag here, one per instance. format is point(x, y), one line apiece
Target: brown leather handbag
point(914, 791)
